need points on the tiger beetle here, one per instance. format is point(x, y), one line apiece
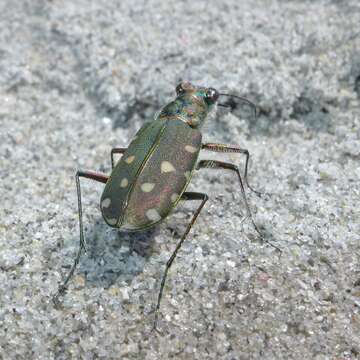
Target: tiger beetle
point(154, 171)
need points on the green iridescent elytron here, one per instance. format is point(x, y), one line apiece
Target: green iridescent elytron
point(154, 171)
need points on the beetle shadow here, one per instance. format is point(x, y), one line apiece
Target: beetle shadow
point(114, 256)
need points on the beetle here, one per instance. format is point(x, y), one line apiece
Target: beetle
point(154, 171)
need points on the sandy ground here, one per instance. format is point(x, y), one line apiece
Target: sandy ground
point(80, 77)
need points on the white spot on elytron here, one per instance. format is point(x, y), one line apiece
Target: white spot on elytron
point(111, 221)
point(106, 203)
point(130, 159)
point(187, 174)
point(153, 215)
point(190, 149)
point(147, 187)
point(124, 182)
point(174, 197)
point(128, 226)
point(167, 167)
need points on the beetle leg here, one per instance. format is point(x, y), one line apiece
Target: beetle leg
point(93, 176)
point(88, 175)
point(233, 149)
point(184, 196)
point(214, 164)
point(116, 151)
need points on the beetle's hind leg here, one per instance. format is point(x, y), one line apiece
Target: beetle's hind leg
point(214, 164)
point(233, 149)
point(185, 196)
point(116, 151)
point(88, 175)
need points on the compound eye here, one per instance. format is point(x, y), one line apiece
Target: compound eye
point(180, 89)
point(211, 95)
point(184, 87)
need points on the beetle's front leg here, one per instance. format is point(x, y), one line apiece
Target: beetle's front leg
point(214, 164)
point(116, 151)
point(232, 149)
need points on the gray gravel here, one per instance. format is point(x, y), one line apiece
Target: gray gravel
point(78, 78)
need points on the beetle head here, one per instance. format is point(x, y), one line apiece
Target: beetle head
point(207, 95)
point(198, 101)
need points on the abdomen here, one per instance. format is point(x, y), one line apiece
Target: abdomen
point(163, 176)
point(121, 181)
